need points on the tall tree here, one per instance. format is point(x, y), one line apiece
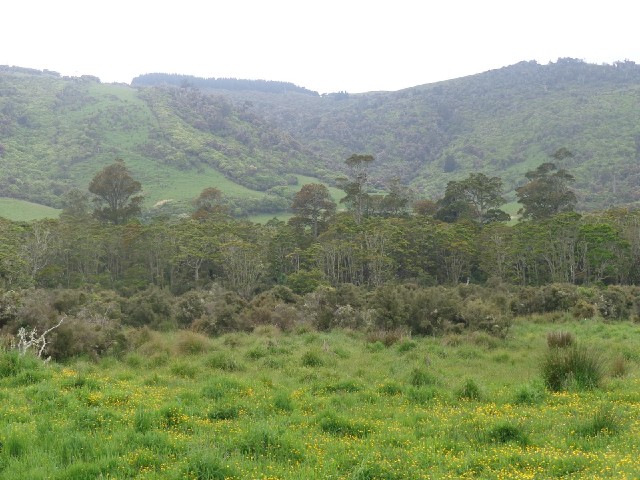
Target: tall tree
point(313, 206)
point(547, 193)
point(209, 202)
point(356, 195)
point(477, 197)
point(115, 194)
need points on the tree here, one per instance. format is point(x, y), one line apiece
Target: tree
point(115, 194)
point(476, 197)
point(356, 196)
point(313, 206)
point(209, 202)
point(547, 193)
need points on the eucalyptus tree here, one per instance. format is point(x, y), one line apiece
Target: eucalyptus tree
point(115, 194)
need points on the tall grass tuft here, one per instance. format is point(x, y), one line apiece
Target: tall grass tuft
point(560, 339)
point(579, 367)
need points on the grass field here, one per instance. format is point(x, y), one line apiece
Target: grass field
point(21, 210)
point(309, 405)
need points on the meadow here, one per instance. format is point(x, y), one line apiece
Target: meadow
point(325, 405)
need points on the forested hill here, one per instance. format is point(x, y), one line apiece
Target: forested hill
point(268, 86)
point(502, 122)
point(56, 132)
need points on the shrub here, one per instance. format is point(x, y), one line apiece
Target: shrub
point(583, 309)
point(223, 361)
point(421, 377)
point(615, 302)
point(548, 298)
point(152, 307)
point(469, 390)
point(190, 343)
point(506, 432)
point(575, 366)
point(282, 401)
point(225, 412)
point(560, 339)
point(530, 394)
point(312, 358)
point(264, 441)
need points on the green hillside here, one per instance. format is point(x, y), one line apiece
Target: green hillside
point(255, 141)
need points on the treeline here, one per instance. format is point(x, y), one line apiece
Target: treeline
point(385, 264)
point(185, 81)
point(181, 254)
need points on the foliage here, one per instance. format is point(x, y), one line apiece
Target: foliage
point(115, 194)
point(546, 194)
point(573, 367)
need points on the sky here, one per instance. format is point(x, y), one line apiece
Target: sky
point(325, 46)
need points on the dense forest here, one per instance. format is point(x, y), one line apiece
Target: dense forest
point(382, 263)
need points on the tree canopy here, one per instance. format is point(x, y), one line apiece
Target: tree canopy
point(547, 192)
point(115, 194)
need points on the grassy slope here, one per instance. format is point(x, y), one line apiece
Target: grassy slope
point(21, 210)
point(318, 405)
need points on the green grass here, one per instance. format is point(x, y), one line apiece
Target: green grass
point(21, 210)
point(322, 405)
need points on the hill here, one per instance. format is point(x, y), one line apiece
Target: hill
point(255, 140)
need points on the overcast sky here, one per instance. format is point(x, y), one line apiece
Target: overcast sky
point(325, 46)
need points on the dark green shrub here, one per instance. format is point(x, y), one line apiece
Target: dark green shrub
point(469, 391)
point(421, 377)
point(312, 358)
point(223, 361)
point(572, 367)
point(222, 313)
point(548, 298)
point(506, 432)
point(225, 412)
point(406, 346)
point(305, 281)
point(390, 389)
point(529, 394)
point(263, 441)
point(152, 307)
point(480, 314)
point(282, 401)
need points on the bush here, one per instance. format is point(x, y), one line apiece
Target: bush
point(312, 358)
point(530, 394)
point(505, 432)
point(421, 377)
point(469, 391)
point(568, 367)
point(152, 307)
point(583, 309)
point(548, 298)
